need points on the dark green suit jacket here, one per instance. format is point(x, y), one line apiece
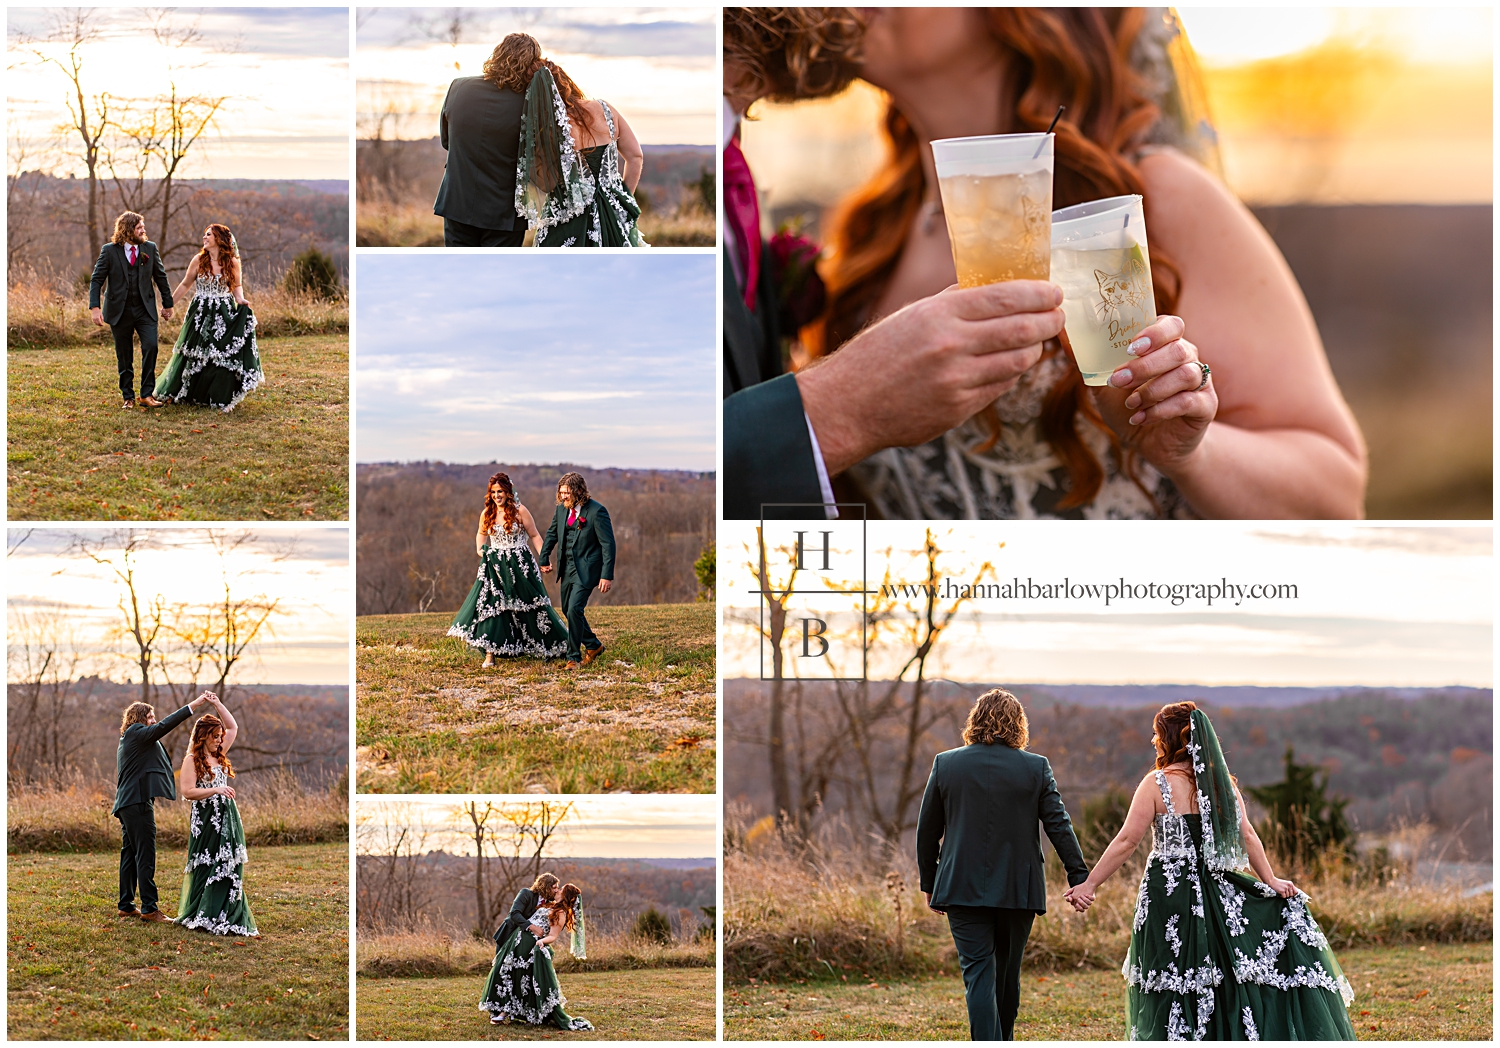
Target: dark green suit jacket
point(142, 770)
point(111, 276)
point(521, 909)
point(768, 456)
point(593, 547)
point(481, 129)
point(977, 840)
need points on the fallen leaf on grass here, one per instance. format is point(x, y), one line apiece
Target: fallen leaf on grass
point(1421, 994)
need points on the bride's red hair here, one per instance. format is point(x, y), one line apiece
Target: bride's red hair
point(1078, 57)
point(507, 509)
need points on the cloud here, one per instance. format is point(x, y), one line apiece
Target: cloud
point(606, 32)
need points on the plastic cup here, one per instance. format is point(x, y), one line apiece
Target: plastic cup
point(1100, 260)
point(997, 199)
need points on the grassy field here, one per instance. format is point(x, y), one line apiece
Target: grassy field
point(77, 971)
point(282, 454)
point(431, 720)
point(427, 953)
point(1403, 993)
point(384, 225)
point(674, 1004)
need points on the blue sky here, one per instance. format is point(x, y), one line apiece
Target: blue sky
point(597, 359)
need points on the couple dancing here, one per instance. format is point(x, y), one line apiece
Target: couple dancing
point(1215, 954)
point(215, 361)
point(213, 885)
point(523, 985)
point(526, 146)
point(927, 401)
point(507, 611)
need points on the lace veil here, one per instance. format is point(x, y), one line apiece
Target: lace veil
point(1162, 56)
point(553, 184)
point(576, 945)
point(1223, 848)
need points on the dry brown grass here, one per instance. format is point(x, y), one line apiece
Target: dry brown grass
point(827, 913)
point(75, 816)
point(42, 313)
point(391, 225)
point(431, 953)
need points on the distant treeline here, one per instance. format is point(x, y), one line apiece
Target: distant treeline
point(1395, 758)
point(615, 891)
point(273, 222)
point(303, 728)
point(417, 523)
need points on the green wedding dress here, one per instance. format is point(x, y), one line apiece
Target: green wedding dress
point(215, 361)
point(213, 883)
point(523, 985)
point(507, 611)
point(1216, 955)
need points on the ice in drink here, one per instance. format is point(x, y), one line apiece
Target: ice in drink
point(1000, 226)
point(1101, 262)
point(997, 201)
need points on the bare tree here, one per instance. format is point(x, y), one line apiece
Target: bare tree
point(88, 114)
point(393, 889)
point(24, 200)
point(44, 695)
point(142, 618)
point(510, 843)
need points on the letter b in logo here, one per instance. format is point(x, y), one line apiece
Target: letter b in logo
point(811, 634)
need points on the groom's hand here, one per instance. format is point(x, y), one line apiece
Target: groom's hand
point(98, 314)
point(546, 568)
point(926, 368)
point(931, 907)
point(605, 584)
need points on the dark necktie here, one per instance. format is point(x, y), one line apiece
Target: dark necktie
point(742, 212)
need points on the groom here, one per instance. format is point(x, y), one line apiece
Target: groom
point(143, 773)
point(586, 558)
point(129, 264)
point(480, 127)
point(980, 859)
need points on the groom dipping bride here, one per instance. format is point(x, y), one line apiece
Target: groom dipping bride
point(1215, 954)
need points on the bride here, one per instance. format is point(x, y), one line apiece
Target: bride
point(507, 611)
point(215, 361)
point(1215, 954)
point(579, 164)
point(213, 884)
point(1267, 435)
point(523, 984)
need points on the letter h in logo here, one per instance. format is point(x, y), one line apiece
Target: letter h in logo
point(811, 583)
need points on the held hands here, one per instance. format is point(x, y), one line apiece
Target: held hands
point(98, 315)
point(166, 312)
point(1155, 402)
point(546, 568)
point(1081, 896)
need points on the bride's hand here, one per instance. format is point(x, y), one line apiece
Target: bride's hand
point(1284, 888)
point(1160, 403)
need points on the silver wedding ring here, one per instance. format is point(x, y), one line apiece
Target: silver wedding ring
point(1206, 372)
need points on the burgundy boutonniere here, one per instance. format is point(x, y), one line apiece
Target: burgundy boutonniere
point(800, 295)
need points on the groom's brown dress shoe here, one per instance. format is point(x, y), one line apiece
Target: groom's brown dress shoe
point(128, 913)
point(156, 916)
point(129, 405)
point(590, 654)
point(572, 665)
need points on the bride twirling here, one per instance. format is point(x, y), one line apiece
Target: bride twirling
point(215, 361)
point(579, 164)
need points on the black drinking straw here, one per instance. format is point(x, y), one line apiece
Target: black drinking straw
point(1056, 117)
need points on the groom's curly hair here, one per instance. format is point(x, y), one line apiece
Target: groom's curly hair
point(544, 883)
point(790, 53)
point(135, 713)
point(513, 61)
point(998, 716)
point(125, 228)
point(575, 483)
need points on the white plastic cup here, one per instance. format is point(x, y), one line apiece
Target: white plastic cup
point(997, 199)
point(1100, 260)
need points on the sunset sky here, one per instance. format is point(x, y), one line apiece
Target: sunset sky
point(655, 65)
point(307, 569)
point(1311, 105)
point(600, 360)
point(1374, 606)
point(285, 71)
point(634, 826)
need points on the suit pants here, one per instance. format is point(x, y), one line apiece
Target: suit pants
point(990, 943)
point(138, 855)
point(575, 597)
point(135, 321)
point(461, 234)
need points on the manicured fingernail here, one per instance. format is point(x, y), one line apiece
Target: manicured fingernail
point(1138, 345)
point(1133, 401)
point(1137, 418)
point(1121, 378)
